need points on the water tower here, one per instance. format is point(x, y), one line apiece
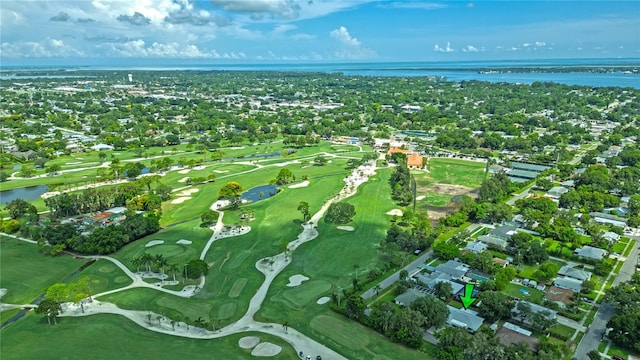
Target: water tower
point(130, 77)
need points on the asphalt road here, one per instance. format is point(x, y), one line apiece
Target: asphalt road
point(411, 268)
point(592, 338)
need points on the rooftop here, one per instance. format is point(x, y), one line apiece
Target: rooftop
point(591, 252)
point(574, 273)
point(464, 318)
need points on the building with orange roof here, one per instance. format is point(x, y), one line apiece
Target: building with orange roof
point(414, 161)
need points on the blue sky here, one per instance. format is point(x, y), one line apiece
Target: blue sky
point(228, 31)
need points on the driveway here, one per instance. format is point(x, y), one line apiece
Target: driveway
point(414, 266)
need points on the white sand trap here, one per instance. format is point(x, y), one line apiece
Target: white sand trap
point(329, 161)
point(184, 242)
point(180, 200)
point(154, 243)
point(3, 292)
point(185, 171)
point(266, 349)
point(302, 184)
point(420, 197)
point(323, 300)
point(345, 228)
point(248, 342)
point(396, 212)
point(184, 179)
point(188, 192)
point(220, 171)
point(296, 280)
point(199, 167)
point(236, 148)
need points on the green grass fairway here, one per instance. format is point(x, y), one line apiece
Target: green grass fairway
point(26, 273)
point(454, 172)
point(307, 293)
point(237, 287)
point(107, 275)
point(114, 337)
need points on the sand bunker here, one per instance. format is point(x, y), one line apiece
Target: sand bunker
point(3, 292)
point(199, 167)
point(184, 242)
point(188, 192)
point(185, 171)
point(154, 243)
point(345, 228)
point(420, 197)
point(296, 280)
point(180, 200)
point(266, 349)
point(184, 179)
point(220, 171)
point(302, 184)
point(323, 300)
point(396, 212)
point(248, 342)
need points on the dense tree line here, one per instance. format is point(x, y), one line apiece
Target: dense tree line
point(102, 240)
point(400, 182)
point(625, 298)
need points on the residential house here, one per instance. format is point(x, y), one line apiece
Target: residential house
point(608, 219)
point(466, 319)
point(568, 271)
point(476, 246)
point(503, 232)
point(568, 283)
point(535, 309)
point(556, 191)
point(611, 237)
point(437, 277)
point(408, 297)
point(591, 252)
point(454, 268)
point(492, 240)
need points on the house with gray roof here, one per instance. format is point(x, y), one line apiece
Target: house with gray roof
point(591, 252)
point(556, 191)
point(408, 297)
point(492, 240)
point(568, 283)
point(476, 246)
point(503, 232)
point(609, 219)
point(535, 308)
point(455, 269)
point(437, 277)
point(610, 236)
point(568, 271)
point(466, 319)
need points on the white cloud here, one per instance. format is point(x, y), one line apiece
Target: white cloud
point(139, 49)
point(470, 48)
point(283, 28)
point(287, 9)
point(447, 49)
point(302, 36)
point(47, 48)
point(342, 35)
point(541, 43)
point(526, 45)
point(350, 47)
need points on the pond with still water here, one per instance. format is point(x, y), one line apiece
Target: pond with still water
point(259, 193)
point(26, 193)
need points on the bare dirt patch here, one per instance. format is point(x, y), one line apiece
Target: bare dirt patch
point(438, 212)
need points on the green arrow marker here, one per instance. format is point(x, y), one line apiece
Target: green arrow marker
point(467, 299)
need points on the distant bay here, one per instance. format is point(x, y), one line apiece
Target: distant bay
point(564, 71)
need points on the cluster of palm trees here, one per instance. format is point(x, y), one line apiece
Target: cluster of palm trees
point(158, 261)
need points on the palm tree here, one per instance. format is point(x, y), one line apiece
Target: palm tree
point(161, 262)
point(173, 268)
point(137, 261)
point(146, 260)
point(199, 322)
point(377, 289)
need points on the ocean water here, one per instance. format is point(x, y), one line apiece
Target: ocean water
point(454, 71)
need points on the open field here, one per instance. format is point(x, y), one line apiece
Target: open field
point(26, 273)
point(456, 172)
point(114, 337)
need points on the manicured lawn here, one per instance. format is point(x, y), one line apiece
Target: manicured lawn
point(630, 247)
point(619, 247)
point(114, 337)
point(535, 296)
point(26, 273)
point(434, 199)
point(562, 330)
point(104, 276)
point(456, 172)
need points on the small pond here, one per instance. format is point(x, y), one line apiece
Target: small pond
point(26, 193)
point(259, 193)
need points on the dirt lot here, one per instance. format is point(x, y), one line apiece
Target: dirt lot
point(437, 212)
